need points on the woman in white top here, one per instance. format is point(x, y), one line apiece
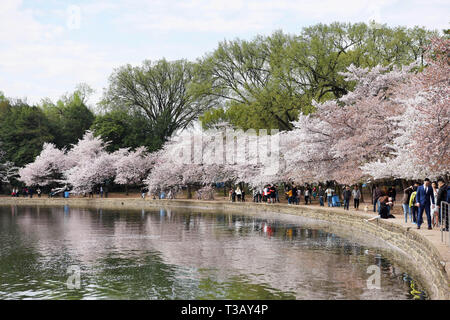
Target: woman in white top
point(434, 209)
point(238, 193)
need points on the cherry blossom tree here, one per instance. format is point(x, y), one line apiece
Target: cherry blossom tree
point(8, 171)
point(421, 147)
point(344, 134)
point(394, 124)
point(90, 164)
point(47, 169)
point(132, 167)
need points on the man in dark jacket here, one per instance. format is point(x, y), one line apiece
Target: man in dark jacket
point(442, 195)
point(423, 196)
point(321, 195)
point(347, 194)
point(375, 195)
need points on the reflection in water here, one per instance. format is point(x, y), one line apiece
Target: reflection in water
point(182, 254)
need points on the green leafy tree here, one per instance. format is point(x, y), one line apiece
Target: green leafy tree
point(70, 117)
point(23, 131)
point(124, 129)
point(266, 82)
point(161, 91)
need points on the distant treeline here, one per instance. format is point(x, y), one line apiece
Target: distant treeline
point(265, 82)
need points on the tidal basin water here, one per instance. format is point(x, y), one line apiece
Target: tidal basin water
point(185, 254)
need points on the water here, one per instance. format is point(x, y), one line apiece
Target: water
point(184, 254)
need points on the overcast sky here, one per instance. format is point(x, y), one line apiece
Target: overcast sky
point(47, 47)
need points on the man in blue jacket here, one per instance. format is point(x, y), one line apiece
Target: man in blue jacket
point(424, 193)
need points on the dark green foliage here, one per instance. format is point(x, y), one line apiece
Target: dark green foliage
point(268, 81)
point(126, 130)
point(23, 131)
point(68, 119)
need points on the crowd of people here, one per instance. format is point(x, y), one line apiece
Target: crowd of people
point(418, 198)
point(25, 192)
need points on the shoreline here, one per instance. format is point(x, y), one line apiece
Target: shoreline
point(429, 256)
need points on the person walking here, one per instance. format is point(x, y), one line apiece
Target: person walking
point(435, 210)
point(356, 193)
point(442, 195)
point(295, 195)
point(143, 191)
point(38, 192)
point(289, 195)
point(306, 195)
point(255, 195)
point(101, 192)
point(375, 196)
point(273, 194)
point(412, 207)
point(238, 194)
point(347, 194)
point(424, 193)
point(266, 194)
point(329, 192)
point(405, 203)
point(321, 193)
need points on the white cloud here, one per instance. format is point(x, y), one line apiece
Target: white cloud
point(41, 57)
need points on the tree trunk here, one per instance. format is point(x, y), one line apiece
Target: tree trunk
point(189, 192)
point(339, 191)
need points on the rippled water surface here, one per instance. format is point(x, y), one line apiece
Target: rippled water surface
point(184, 254)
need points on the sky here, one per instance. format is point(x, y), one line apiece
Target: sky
point(47, 47)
